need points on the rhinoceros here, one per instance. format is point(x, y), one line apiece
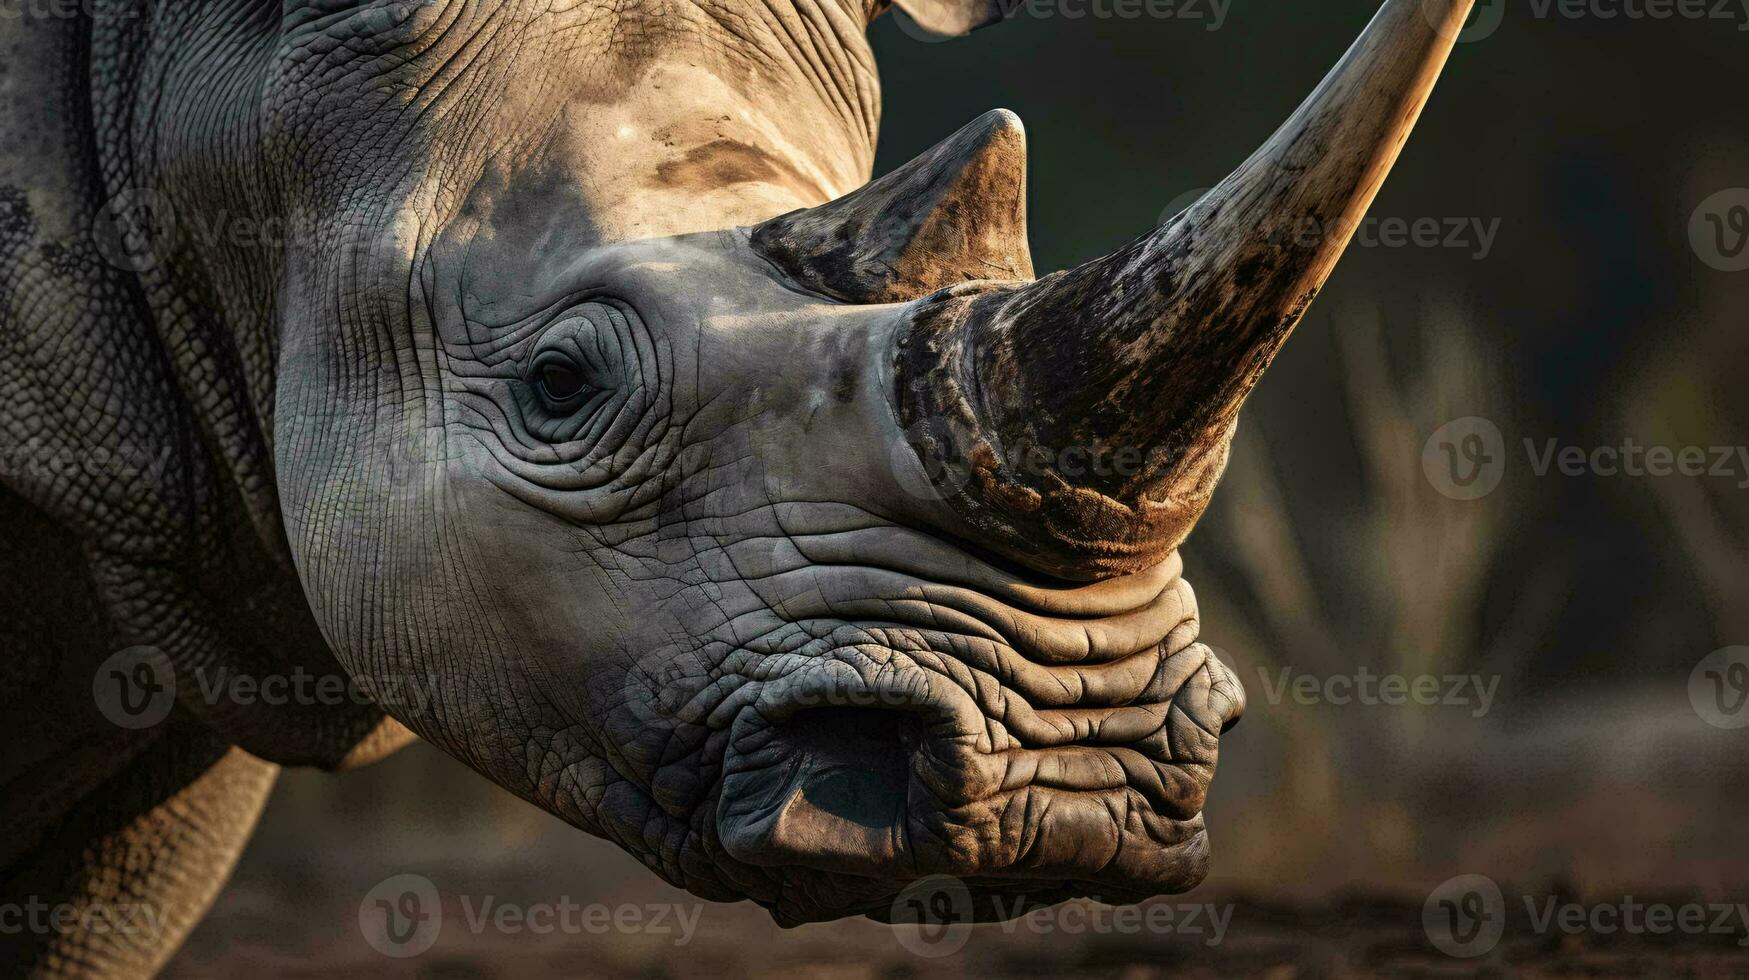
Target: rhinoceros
point(561, 362)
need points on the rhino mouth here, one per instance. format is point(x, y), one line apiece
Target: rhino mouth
point(1051, 758)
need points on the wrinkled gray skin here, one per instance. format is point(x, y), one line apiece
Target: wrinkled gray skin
point(517, 406)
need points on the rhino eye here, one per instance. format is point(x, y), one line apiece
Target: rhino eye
point(580, 375)
point(560, 380)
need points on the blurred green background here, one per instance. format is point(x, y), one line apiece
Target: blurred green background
point(1585, 317)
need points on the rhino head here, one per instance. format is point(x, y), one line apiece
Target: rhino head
point(778, 526)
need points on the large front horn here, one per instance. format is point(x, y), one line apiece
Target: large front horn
point(1096, 405)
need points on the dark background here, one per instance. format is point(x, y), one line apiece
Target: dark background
point(1589, 600)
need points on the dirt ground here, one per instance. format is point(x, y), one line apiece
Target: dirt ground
point(1624, 803)
point(1347, 938)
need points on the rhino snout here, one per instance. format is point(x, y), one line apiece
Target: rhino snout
point(1051, 758)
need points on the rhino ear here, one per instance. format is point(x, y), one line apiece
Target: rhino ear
point(953, 18)
point(955, 214)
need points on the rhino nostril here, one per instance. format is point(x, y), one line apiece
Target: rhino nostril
point(829, 790)
point(860, 760)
